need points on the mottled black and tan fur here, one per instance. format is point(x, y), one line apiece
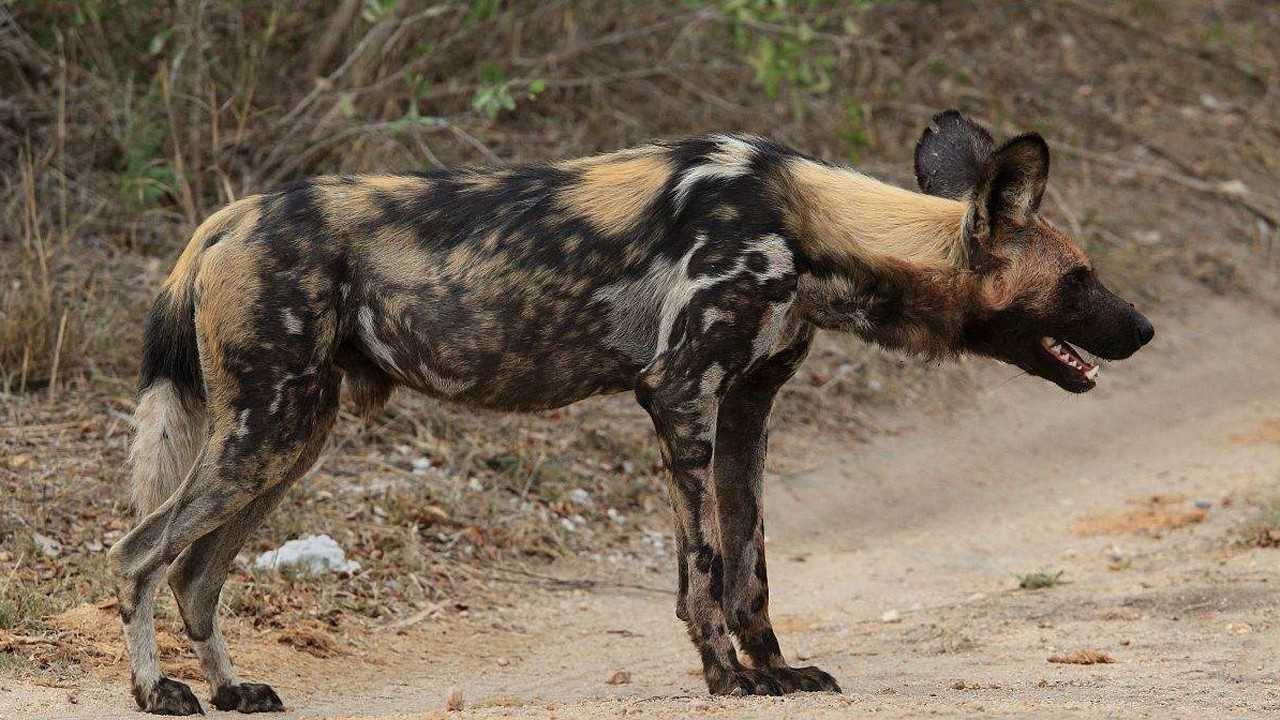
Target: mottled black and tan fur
point(693, 273)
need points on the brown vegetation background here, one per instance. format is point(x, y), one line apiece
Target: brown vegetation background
point(123, 124)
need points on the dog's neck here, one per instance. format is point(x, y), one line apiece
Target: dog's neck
point(841, 217)
point(919, 311)
point(887, 264)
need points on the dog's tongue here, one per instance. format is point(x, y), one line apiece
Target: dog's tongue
point(1066, 355)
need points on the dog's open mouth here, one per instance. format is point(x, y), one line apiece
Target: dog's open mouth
point(1069, 360)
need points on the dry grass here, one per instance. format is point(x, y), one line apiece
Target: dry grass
point(1039, 579)
point(1083, 657)
point(123, 124)
point(1263, 529)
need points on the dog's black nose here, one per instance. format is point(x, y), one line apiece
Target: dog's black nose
point(1145, 330)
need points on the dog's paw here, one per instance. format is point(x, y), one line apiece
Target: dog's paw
point(773, 681)
point(168, 697)
point(804, 679)
point(744, 682)
point(247, 698)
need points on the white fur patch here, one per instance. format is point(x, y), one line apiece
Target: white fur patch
point(291, 322)
point(732, 159)
point(781, 261)
point(242, 428)
point(446, 386)
point(636, 306)
point(766, 341)
point(679, 295)
point(167, 439)
point(369, 334)
point(711, 379)
point(666, 288)
point(711, 316)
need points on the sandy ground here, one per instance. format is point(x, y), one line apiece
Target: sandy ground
point(930, 521)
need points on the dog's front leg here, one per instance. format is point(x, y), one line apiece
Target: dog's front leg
point(741, 445)
point(680, 391)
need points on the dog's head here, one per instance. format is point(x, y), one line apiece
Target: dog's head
point(1038, 296)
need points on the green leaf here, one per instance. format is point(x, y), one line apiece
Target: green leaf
point(346, 106)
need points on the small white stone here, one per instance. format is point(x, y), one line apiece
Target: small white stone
point(580, 496)
point(890, 616)
point(310, 555)
point(1233, 187)
point(47, 545)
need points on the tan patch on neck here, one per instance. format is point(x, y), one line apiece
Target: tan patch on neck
point(615, 189)
point(841, 215)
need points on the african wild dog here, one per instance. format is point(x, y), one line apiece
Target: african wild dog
point(694, 273)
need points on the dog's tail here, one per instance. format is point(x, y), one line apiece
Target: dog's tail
point(170, 425)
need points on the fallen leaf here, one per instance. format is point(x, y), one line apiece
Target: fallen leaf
point(310, 637)
point(1083, 657)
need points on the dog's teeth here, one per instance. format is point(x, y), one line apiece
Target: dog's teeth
point(1093, 373)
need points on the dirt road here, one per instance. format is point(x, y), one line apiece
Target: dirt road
point(892, 567)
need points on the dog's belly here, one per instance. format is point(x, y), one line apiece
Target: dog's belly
point(531, 383)
point(496, 358)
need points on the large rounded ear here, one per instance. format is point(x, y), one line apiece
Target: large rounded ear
point(1012, 183)
point(951, 155)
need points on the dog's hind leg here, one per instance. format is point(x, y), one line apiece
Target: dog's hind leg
point(266, 339)
point(741, 445)
point(237, 480)
point(205, 501)
point(197, 577)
